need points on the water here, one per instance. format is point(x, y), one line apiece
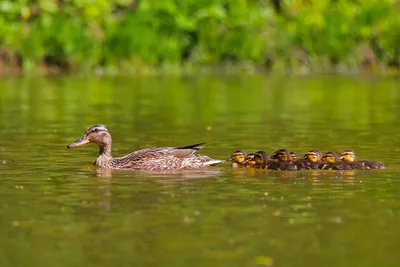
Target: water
point(56, 209)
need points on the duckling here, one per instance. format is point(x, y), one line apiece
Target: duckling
point(250, 162)
point(238, 159)
point(293, 156)
point(330, 161)
point(281, 160)
point(349, 157)
point(260, 158)
point(310, 160)
point(256, 160)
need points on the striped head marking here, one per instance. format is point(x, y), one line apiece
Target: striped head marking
point(281, 155)
point(293, 156)
point(313, 156)
point(348, 155)
point(330, 157)
point(238, 156)
point(250, 161)
point(260, 158)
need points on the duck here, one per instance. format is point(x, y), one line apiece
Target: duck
point(349, 157)
point(260, 159)
point(293, 156)
point(330, 161)
point(155, 159)
point(238, 159)
point(281, 160)
point(310, 160)
point(250, 162)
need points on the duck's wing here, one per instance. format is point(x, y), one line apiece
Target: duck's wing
point(180, 152)
point(166, 158)
point(186, 151)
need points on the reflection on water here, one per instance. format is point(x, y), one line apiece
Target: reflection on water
point(179, 175)
point(56, 204)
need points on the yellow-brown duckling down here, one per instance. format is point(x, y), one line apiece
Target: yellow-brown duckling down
point(293, 156)
point(238, 159)
point(330, 161)
point(349, 157)
point(310, 160)
point(250, 162)
point(284, 160)
point(281, 160)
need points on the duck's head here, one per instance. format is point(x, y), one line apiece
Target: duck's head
point(293, 156)
point(348, 155)
point(313, 156)
point(97, 134)
point(281, 155)
point(250, 161)
point(330, 157)
point(238, 156)
point(260, 158)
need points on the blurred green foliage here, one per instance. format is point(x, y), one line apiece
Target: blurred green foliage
point(142, 34)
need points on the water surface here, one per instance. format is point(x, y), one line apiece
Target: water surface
point(56, 209)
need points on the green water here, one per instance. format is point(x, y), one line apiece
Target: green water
point(56, 209)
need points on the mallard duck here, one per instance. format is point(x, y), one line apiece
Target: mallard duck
point(238, 159)
point(310, 160)
point(149, 159)
point(349, 157)
point(281, 160)
point(330, 161)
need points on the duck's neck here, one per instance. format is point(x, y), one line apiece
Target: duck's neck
point(105, 158)
point(105, 150)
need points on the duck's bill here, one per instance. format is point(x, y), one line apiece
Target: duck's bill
point(229, 159)
point(78, 143)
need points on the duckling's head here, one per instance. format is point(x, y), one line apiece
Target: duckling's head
point(97, 134)
point(238, 156)
point(293, 156)
point(313, 156)
point(330, 157)
point(348, 155)
point(250, 161)
point(281, 155)
point(260, 158)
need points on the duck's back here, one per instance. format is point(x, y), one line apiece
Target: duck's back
point(164, 159)
point(335, 166)
point(302, 164)
point(371, 164)
point(281, 166)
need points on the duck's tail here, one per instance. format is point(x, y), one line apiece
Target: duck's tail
point(212, 162)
